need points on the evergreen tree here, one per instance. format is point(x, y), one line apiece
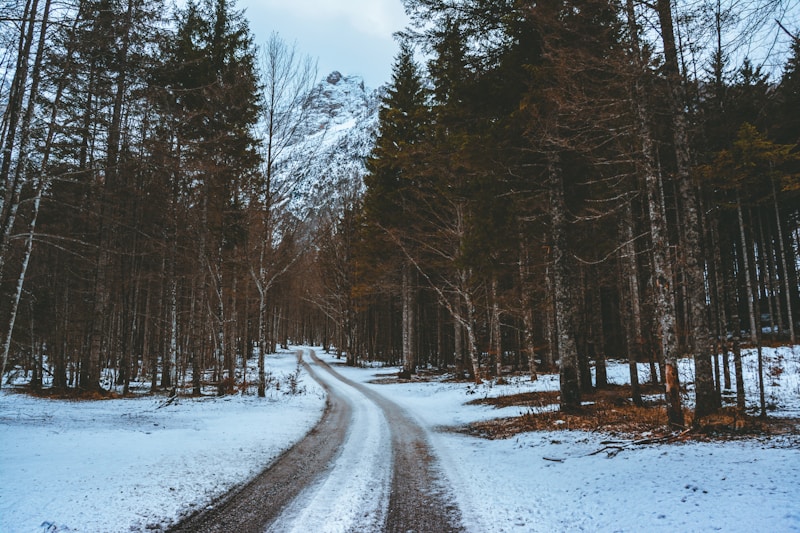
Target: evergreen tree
point(393, 181)
point(403, 122)
point(788, 99)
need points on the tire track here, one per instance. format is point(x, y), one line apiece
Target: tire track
point(248, 509)
point(420, 500)
point(300, 489)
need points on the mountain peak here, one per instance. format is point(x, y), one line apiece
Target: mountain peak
point(334, 77)
point(327, 162)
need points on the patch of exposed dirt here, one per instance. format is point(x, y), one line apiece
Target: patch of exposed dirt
point(66, 393)
point(611, 411)
point(421, 376)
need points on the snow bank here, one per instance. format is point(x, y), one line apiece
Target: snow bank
point(135, 464)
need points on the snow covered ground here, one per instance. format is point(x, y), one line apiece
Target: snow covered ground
point(133, 465)
point(509, 486)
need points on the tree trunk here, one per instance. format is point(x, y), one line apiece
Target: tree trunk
point(496, 334)
point(14, 112)
point(748, 283)
point(409, 320)
point(567, 350)
point(528, 344)
point(469, 327)
point(706, 398)
point(754, 333)
point(262, 342)
point(549, 358)
point(663, 277)
point(597, 336)
point(630, 298)
point(721, 290)
point(786, 283)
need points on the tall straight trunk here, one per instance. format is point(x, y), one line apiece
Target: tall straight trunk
point(409, 320)
point(598, 339)
point(528, 345)
point(171, 259)
point(90, 376)
point(586, 350)
point(192, 344)
point(441, 362)
point(171, 363)
point(737, 364)
point(549, 358)
point(755, 319)
point(167, 364)
point(767, 267)
point(748, 283)
point(220, 342)
point(62, 345)
point(567, 350)
point(720, 288)
point(706, 401)
point(751, 306)
point(233, 331)
point(630, 280)
point(458, 341)
point(156, 341)
point(496, 334)
point(469, 326)
point(786, 283)
point(16, 98)
point(663, 277)
point(735, 288)
point(20, 283)
point(262, 342)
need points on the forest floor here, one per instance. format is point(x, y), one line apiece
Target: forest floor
point(610, 409)
point(141, 464)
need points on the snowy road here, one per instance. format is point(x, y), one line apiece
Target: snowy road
point(367, 466)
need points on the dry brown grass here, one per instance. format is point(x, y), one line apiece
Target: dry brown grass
point(67, 393)
point(625, 419)
point(611, 411)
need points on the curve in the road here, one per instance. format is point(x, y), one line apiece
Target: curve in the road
point(345, 454)
point(354, 493)
point(249, 508)
point(420, 501)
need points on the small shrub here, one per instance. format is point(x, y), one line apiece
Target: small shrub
point(293, 381)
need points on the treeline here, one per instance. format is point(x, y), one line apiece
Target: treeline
point(563, 181)
point(142, 234)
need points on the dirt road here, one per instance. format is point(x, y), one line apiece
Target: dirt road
point(366, 467)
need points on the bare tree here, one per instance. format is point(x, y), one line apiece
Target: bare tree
point(288, 88)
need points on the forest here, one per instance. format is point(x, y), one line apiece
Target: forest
point(552, 184)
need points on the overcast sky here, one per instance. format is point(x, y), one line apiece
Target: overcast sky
point(351, 36)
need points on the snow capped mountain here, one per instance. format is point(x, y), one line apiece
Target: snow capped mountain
point(326, 163)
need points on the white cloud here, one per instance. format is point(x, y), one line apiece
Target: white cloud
point(376, 18)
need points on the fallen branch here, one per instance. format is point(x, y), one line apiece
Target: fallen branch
point(615, 447)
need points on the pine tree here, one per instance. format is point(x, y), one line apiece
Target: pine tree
point(788, 99)
point(392, 182)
